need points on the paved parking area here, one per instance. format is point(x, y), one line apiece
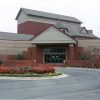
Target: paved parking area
point(81, 84)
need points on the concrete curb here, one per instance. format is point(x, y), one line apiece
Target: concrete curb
point(33, 78)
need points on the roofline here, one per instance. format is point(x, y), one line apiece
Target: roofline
point(56, 18)
point(16, 33)
point(14, 40)
point(63, 32)
point(18, 14)
point(10, 33)
point(44, 16)
point(85, 37)
point(58, 30)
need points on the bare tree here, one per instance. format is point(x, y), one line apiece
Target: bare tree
point(12, 48)
point(94, 52)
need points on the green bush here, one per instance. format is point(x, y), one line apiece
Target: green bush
point(20, 57)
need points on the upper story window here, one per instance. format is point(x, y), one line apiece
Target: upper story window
point(65, 30)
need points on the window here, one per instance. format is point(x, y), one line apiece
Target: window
point(65, 30)
point(54, 55)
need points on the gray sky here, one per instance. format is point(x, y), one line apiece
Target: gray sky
point(88, 11)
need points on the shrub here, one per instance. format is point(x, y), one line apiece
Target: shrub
point(4, 70)
point(43, 70)
point(12, 70)
point(20, 57)
point(23, 70)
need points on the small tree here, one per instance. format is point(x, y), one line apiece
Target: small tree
point(93, 52)
point(85, 56)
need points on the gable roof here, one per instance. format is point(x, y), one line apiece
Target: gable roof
point(82, 35)
point(74, 32)
point(47, 15)
point(52, 36)
point(83, 30)
point(14, 36)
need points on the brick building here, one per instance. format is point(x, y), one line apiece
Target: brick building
point(55, 38)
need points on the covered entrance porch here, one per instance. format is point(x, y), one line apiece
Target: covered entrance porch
point(53, 53)
point(52, 47)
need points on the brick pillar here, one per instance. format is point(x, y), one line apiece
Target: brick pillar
point(71, 51)
point(37, 54)
point(34, 53)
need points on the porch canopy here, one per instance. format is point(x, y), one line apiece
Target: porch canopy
point(53, 36)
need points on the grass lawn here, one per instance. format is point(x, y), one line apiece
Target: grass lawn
point(32, 75)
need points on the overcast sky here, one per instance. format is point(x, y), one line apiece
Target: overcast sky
point(88, 11)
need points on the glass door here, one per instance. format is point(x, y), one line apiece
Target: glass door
point(54, 55)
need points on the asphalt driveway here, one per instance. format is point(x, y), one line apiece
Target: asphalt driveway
point(81, 84)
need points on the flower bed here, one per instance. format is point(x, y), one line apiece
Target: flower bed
point(37, 71)
point(13, 70)
point(22, 70)
point(43, 70)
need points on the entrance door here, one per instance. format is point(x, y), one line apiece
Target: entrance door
point(54, 55)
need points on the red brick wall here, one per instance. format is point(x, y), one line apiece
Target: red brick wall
point(52, 65)
point(10, 57)
point(39, 54)
point(19, 63)
point(82, 63)
point(35, 53)
point(28, 54)
point(97, 62)
point(78, 52)
point(33, 28)
point(78, 63)
point(71, 52)
point(74, 52)
point(71, 63)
